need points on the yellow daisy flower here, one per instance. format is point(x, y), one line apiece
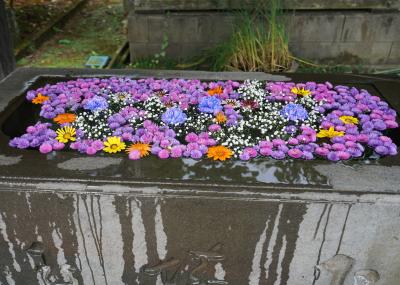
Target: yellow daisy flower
point(300, 91)
point(219, 152)
point(329, 133)
point(349, 120)
point(143, 148)
point(66, 134)
point(114, 145)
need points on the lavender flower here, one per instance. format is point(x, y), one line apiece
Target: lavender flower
point(174, 116)
point(294, 112)
point(95, 104)
point(210, 105)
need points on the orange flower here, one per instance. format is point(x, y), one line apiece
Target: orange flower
point(216, 90)
point(143, 148)
point(40, 99)
point(219, 153)
point(65, 118)
point(220, 118)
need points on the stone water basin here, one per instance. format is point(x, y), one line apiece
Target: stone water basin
point(74, 219)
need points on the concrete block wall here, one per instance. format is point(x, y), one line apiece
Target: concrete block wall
point(188, 33)
point(348, 36)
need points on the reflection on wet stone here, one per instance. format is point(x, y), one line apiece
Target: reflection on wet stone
point(257, 171)
point(196, 268)
point(9, 160)
point(65, 277)
point(89, 163)
point(338, 266)
point(36, 251)
point(366, 277)
point(45, 274)
point(5, 275)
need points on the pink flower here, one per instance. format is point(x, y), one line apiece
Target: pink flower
point(343, 155)
point(363, 138)
point(340, 128)
point(391, 124)
point(214, 128)
point(350, 138)
point(326, 125)
point(176, 151)
point(75, 145)
point(45, 148)
point(211, 142)
point(134, 155)
point(250, 151)
point(58, 146)
point(266, 151)
point(303, 139)
point(385, 139)
point(98, 145)
point(127, 136)
point(91, 150)
point(163, 154)
point(31, 129)
point(338, 147)
point(278, 142)
point(266, 144)
point(295, 153)
point(164, 143)
point(192, 146)
point(322, 151)
point(191, 138)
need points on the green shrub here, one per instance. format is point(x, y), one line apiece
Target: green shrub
point(259, 42)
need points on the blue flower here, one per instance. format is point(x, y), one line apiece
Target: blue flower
point(294, 112)
point(96, 104)
point(174, 116)
point(210, 105)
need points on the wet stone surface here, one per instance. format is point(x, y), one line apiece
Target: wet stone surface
point(89, 163)
point(9, 160)
point(95, 239)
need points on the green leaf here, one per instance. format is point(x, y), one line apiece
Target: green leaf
point(64, 42)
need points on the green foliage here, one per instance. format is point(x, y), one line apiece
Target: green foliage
point(332, 67)
point(259, 42)
point(64, 42)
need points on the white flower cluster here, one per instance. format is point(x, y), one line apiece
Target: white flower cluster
point(154, 108)
point(253, 90)
point(196, 122)
point(314, 116)
point(264, 121)
point(267, 121)
point(93, 124)
point(122, 99)
point(235, 138)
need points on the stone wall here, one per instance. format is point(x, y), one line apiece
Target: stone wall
point(367, 32)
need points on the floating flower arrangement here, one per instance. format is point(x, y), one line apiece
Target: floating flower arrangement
point(215, 120)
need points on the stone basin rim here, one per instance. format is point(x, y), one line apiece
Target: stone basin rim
point(19, 81)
